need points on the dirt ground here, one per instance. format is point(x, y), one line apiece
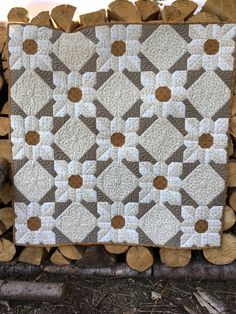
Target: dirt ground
point(129, 296)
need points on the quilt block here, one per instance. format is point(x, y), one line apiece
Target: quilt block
point(119, 133)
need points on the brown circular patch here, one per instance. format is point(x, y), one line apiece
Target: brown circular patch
point(74, 94)
point(205, 141)
point(118, 48)
point(163, 93)
point(211, 46)
point(75, 181)
point(201, 226)
point(32, 138)
point(34, 223)
point(30, 46)
point(117, 222)
point(160, 183)
point(117, 139)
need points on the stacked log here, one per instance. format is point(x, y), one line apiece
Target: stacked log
point(138, 258)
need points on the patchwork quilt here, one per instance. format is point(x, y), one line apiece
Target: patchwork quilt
point(119, 133)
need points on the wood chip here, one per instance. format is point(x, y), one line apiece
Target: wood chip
point(71, 251)
point(93, 18)
point(225, 10)
point(18, 15)
point(7, 250)
point(175, 258)
point(116, 249)
point(139, 258)
point(225, 254)
point(203, 17)
point(63, 17)
point(42, 19)
point(186, 7)
point(148, 9)
point(171, 14)
point(229, 218)
point(32, 255)
point(123, 10)
point(58, 259)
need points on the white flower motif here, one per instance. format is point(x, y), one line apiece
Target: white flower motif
point(41, 58)
point(85, 171)
point(109, 130)
point(171, 173)
point(44, 234)
point(42, 128)
point(218, 132)
point(210, 235)
point(127, 232)
point(223, 38)
point(129, 36)
point(64, 83)
point(153, 104)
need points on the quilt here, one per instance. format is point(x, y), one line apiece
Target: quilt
point(120, 132)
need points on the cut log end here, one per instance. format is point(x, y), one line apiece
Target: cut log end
point(116, 249)
point(18, 15)
point(7, 250)
point(32, 255)
point(63, 17)
point(171, 14)
point(93, 18)
point(175, 258)
point(123, 10)
point(139, 258)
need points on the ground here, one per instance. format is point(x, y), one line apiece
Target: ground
point(127, 296)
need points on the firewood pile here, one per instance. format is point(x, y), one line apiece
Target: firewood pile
point(137, 258)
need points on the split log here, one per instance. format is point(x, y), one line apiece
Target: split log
point(186, 7)
point(233, 126)
point(225, 254)
point(225, 10)
point(93, 18)
point(231, 168)
point(175, 258)
point(139, 258)
point(4, 168)
point(229, 218)
point(116, 249)
point(171, 14)
point(148, 10)
point(58, 259)
point(231, 182)
point(63, 17)
point(32, 255)
point(232, 201)
point(5, 150)
point(233, 107)
point(5, 109)
point(6, 219)
point(97, 256)
point(31, 291)
point(18, 15)
point(3, 37)
point(72, 252)
point(7, 250)
point(42, 19)
point(4, 125)
point(204, 17)
point(230, 147)
point(123, 10)
point(6, 193)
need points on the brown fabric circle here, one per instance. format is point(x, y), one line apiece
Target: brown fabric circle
point(160, 183)
point(118, 48)
point(32, 138)
point(211, 46)
point(34, 223)
point(117, 139)
point(75, 181)
point(163, 93)
point(30, 46)
point(201, 226)
point(117, 222)
point(74, 94)
point(205, 141)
